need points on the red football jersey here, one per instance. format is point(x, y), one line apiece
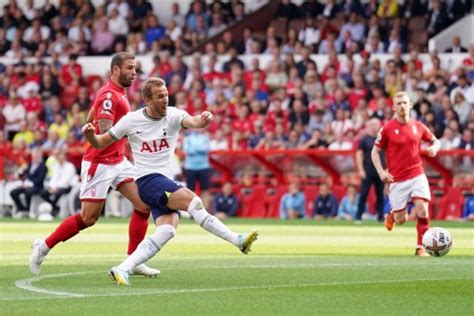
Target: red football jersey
point(111, 103)
point(401, 143)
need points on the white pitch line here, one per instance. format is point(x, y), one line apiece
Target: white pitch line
point(27, 284)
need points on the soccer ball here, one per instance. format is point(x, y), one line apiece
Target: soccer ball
point(437, 241)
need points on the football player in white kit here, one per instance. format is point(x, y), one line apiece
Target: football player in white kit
point(152, 133)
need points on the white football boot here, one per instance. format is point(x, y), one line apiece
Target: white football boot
point(143, 269)
point(40, 250)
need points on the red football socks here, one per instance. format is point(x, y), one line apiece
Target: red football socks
point(137, 229)
point(422, 225)
point(68, 228)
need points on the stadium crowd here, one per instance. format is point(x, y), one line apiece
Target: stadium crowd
point(292, 103)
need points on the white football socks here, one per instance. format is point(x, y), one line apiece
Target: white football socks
point(149, 247)
point(211, 223)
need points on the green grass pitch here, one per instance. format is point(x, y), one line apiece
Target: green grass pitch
point(295, 268)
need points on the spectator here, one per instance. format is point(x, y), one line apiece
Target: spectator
point(467, 141)
point(456, 46)
point(325, 205)
point(465, 87)
point(388, 9)
point(63, 178)
point(330, 9)
point(437, 18)
point(309, 35)
point(32, 182)
point(276, 78)
point(355, 28)
point(315, 142)
point(462, 108)
point(117, 24)
point(72, 70)
point(225, 203)
point(60, 126)
point(53, 141)
point(217, 25)
point(348, 208)
point(176, 15)
point(196, 148)
point(468, 212)
point(287, 10)
point(14, 112)
point(24, 134)
point(293, 203)
point(449, 139)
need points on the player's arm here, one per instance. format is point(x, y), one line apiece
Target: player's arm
point(97, 141)
point(360, 164)
point(434, 148)
point(90, 115)
point(198, 121)
point(383, 174)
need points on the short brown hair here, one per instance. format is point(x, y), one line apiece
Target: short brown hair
point(119, 59)
point(153, 81)
point(401, 94)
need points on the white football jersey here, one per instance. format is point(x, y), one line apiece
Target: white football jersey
point(152, 141)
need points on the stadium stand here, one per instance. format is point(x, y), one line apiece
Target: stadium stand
point(278, 103)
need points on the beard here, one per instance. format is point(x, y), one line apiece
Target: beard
point(124, 81)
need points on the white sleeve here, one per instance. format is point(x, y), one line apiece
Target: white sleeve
point(121, 128)
point(177, 117)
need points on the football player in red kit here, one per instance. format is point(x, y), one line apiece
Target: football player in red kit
point(102, 169)
point(400, 139)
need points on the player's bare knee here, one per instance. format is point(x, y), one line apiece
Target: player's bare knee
point(181, 199)
point(421, 209)
point(141, 207)
point(89, 220)
point(400, 217)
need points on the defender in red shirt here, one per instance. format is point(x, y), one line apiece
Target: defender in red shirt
point(102, 169)
point(401, 138)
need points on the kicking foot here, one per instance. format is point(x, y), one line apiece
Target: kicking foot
point(40, 250)
point(389, 222)
point(120, 276)
point(247, 240)
point(420, 252)
point(145, 270)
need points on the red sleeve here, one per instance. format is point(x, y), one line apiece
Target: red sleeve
point(105, 106)
point(382, 138)
point(427, 136)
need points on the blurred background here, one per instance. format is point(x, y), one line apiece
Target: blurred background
point(292, 84)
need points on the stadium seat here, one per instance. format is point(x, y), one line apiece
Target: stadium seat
point(451, 205)
point(310, 192)
point(273, 201)
point(253, 203)
point(339, 191)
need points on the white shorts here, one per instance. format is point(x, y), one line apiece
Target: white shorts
point(97, 178)
point(400, 193)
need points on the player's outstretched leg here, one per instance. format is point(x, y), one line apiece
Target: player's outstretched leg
point(136, 233)
point(213, 225)
point(149, 247)
point(68, 228)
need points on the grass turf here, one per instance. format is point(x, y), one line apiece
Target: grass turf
point(303, 268)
